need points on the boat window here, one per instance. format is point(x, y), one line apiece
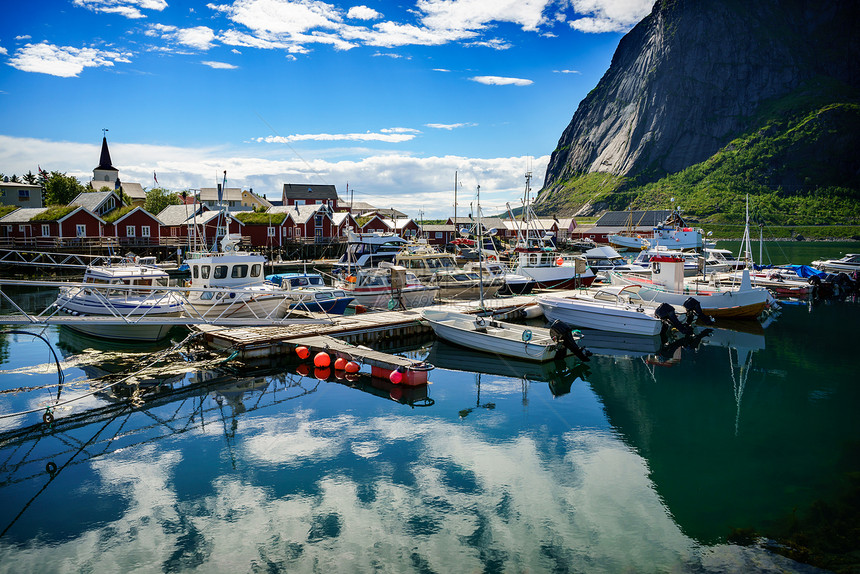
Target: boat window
point(195, 271)
point(207, 295)
point(204, 271)
point(161, 282)
point(239, 271)
point(338, 293)
point(220, 272)
point(256, 268)
point(316, 281)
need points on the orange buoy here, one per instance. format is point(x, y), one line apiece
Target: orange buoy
point(396, 377)
point(360, 309)
point(396, 394)
point(351, 367)
point(322, 373)
point(559, 261)
point(303, 370)
point(340, 364)
point(352, 377)
point(303, 352)
point(322, 359)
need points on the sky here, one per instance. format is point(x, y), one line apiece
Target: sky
point(385, 100)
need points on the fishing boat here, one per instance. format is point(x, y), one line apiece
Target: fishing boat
point(440, 269)
point(388, 286)
point(310, 292)
point(606, 258)
point(667, 285)
point(128, 289)
point(847, 264)
point(364, 250)
point(674, 233)
point(618, 310)
point(628, 240)
point(231, 284)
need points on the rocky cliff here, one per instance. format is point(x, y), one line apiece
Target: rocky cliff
point(695, 74)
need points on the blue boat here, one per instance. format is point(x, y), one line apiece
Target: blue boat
point(310, 292)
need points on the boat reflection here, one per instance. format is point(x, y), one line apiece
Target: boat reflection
point(560, 374)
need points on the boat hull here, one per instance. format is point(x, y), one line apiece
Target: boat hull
point(272, 306)
point(138, 333)
point(380, 298)
point(590, 315)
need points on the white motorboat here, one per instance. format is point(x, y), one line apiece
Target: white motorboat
point(605, 258)
point(387, 287)
point(512, 284)
point(847, 264)
point(694, 264)
point(230, 284)
point(440, 269)
point(722, 257)
point(667, 285)
point(674, 233)
point(498, 337)
point(552, 270)
point(617, 310)
point(365, 250)
point(128, 289)
point(310, 293)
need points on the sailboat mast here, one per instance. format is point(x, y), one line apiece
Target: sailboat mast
point(480, 251)
point(455, 206)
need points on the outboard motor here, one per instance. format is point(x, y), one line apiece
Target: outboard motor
point(695, 311)
point(666, 313)
point(560, 331)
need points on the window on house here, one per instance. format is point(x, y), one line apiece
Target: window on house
point(46, 230)
point(129, 230)
point(23, 195)
point(298, 231)
point(271, 232)
point(222, 231)
point(144, 231)
point(22, 229)
point(80, 230)
point(439, 235)
point(318, 219)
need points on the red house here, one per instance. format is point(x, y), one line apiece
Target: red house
point(137, 227)
point(310, 222)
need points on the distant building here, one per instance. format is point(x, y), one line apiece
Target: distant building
point(309, 194)
point(99, 202)
point(106, 175)
point(20, 194)
point(232, 198)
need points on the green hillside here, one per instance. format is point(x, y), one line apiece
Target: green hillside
point(800, 166)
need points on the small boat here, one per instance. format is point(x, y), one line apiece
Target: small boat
point(501, 338)
point(512, 284)
point(388, 286)
point(674, 233)
point(440, 269)
point(230, 284)
point(364, 250)
point(606, 258)
point(619, 310)
point(667, 285)
point(310, 292)
point(847, 264)
point(628, 240)
point(716, 257)
point(128, 289)
point(552, 270)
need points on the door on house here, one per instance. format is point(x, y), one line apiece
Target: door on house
point(318, 235)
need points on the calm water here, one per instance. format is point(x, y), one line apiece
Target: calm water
point(644, 461)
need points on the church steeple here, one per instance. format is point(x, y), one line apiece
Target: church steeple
point(104, 160)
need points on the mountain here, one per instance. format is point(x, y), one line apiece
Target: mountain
point(764, 93)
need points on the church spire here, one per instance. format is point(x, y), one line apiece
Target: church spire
point(104, 160)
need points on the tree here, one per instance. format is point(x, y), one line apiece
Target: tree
point(158, 198)
point(30, 178)
point(60, 188)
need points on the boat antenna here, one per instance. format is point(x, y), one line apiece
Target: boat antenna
point(480, 251)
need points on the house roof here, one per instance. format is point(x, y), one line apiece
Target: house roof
point(390, 213)
point(309, 191)
point(434, 228)
point(361, 206)
point(81, 207)
point(177, 214)
point(229, 194)
point(92, 200)
point(20, 185)
point(340, 216)
point(138, 208)
point(648, 218)
point(22, 215)
point(104, 159)
point(134, 190)
point(300, 213)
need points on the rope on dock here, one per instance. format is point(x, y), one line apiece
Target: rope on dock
point(157, 358)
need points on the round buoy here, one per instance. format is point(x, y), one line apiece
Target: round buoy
point(303, 370)
point(396, 394)
point(48, 418)
point(352, 367)
point(322, 373)
point(340, 364)
point(303, 352)
point(396, 377)
point(322, 359)
point(559, 261)
point(51, 467)
point(352, 377)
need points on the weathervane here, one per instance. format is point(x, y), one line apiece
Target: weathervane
point(104, 132)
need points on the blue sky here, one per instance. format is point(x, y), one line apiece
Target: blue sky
point(390, 98)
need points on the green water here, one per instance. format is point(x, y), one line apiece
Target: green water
point(795, 252)
point(646, 459)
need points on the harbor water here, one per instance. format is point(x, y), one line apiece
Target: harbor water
point(648, 458)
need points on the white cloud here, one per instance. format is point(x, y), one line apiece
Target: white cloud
point(567, 71)
point(363, 13)
point(450, 126)
point(440, 70)
point(219, 65)
point(609, 15)
point(501, 81)
point(63, 61)
point(24, 37)
point(199, 37)
point(3, 51)
point(128, 8)
point(400, 131)
point(391, 55)
point(359, 137)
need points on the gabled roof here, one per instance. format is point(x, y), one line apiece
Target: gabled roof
point(228, 194)
point(134, 190)
point(80, 208)
point(177, 214)
point(138, 208)
point(390, 213)
point(434, 228)
point(399, 224)
point(22, 215)
point(361, 206)
point(93, 200)
point(309, 191)
point(301, 213)
point(648, 218)
point(341, 216)
point(206, 217)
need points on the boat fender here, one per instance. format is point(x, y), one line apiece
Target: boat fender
point(48, 417)
point(560, 331)
point(666, 313)
point(559, 261)
point(51, 468)
point(527, 335)
point(695, 311)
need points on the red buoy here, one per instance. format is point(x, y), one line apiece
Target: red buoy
point(352, 367)
point(322, 373)
point(559, 261)
point(303, 370)
point(340, 364)
point(396, 377)
point(322, 359)
point(302, 352)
